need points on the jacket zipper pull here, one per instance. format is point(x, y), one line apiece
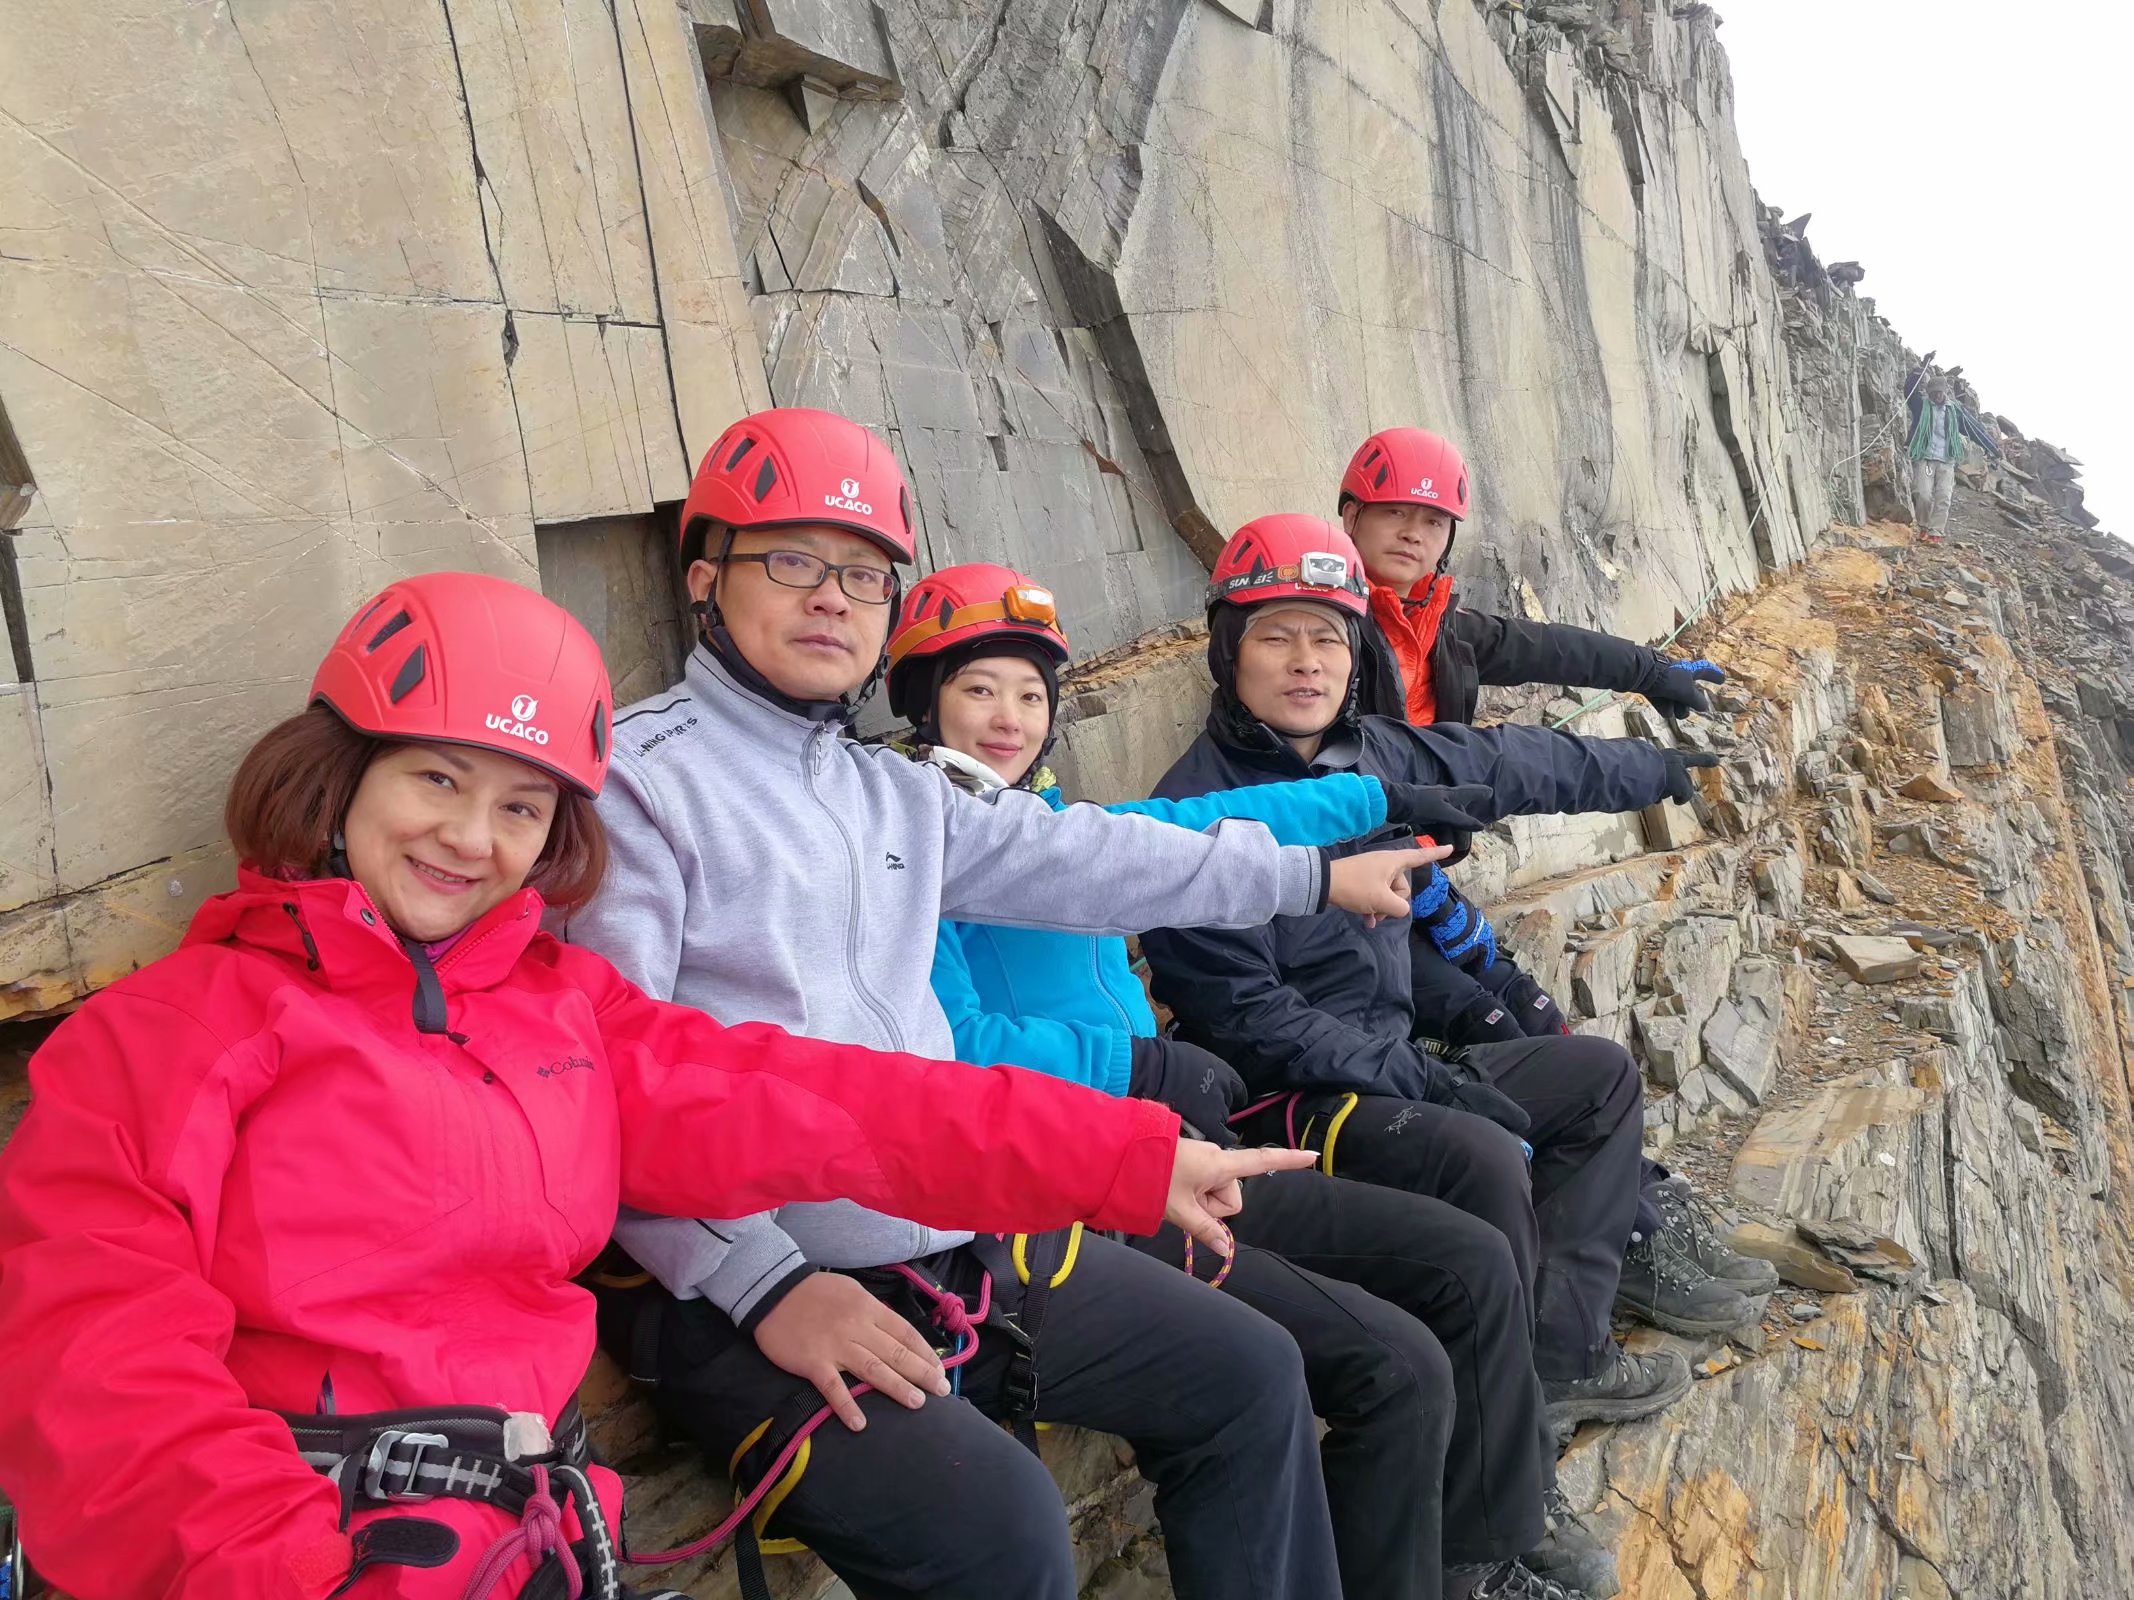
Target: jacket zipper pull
point(311, 949)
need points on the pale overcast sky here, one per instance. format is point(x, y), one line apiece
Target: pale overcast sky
point(1973, 156)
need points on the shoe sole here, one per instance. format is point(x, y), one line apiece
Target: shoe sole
point(1753, 1288)
point(1688, 1327)
point(1593, 1577)
point(1564, 1414)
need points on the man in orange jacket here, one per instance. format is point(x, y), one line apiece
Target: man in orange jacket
point(1403, 498)
point(1425, 659)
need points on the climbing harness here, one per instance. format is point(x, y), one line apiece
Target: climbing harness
point(1289, 1102)
point(510, 1460)
point(1041, 1262)
point(745, 1523)
point(14, 1568)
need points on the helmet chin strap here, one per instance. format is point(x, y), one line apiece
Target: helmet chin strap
point(337, 857)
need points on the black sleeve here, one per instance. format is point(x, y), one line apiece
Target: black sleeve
point(1225, 988)
point(1530, 771)
point(1380, 689)
point(1511, 650)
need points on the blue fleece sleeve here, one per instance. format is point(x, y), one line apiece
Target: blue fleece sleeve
point(1326, 810)
point(1099, 1058)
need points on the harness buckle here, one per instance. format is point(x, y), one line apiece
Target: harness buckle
point(385, 1457)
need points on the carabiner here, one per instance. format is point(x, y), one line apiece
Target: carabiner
point(14, 1566)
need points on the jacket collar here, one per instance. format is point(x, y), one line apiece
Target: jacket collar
point(751, 708)
point(976, 775)
point(330, 928)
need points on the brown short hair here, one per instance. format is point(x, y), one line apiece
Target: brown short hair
point(294, 786)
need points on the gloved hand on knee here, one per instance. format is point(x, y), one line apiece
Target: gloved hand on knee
point(1531, 1007)
point(1451, 922)
point(1484, 1019)
point(1199, 1085)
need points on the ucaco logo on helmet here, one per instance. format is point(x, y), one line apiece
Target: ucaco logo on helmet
point(519, 725)
point(848, 498)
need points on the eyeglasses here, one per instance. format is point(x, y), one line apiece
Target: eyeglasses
point(796, 569)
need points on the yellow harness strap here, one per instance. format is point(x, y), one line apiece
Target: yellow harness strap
point(772, 1501)
point(1020, 1250)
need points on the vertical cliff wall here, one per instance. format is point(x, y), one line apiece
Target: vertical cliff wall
point(295, 298)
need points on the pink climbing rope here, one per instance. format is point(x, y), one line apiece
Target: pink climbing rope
point(538, 1535)
point(1227, 1250)
point(951, 1316)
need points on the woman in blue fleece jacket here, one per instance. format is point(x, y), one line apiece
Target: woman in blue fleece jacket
point(1411, 1315)
point(1067, 1003)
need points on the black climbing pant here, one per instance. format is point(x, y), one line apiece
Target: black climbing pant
point(1567, 1215)
point(1414, 1324)
point(942, 1502)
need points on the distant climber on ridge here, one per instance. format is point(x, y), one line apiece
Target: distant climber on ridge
point(1937, 449)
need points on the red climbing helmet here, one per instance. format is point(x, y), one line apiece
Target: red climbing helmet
point(1408, 464)
point(959, 606)
point(792, 465)
point(1289, 556)
point(464, 658)
point(974, 601)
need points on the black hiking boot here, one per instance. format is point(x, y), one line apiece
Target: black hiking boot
point(1694, 1222)
point(1661, 1284)
point(1569, 1554)
point(1626, 1388)
point(1505, 1580)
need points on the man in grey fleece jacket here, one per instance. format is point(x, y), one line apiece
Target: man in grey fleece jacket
point(763, 866)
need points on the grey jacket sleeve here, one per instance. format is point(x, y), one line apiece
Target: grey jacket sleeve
point(1010, 858)
point(731, 1264)
point(636, 922)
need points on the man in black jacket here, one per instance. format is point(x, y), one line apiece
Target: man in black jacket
point(1317, 1012)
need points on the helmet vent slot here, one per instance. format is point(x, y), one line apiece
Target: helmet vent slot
point(766, 479)
point(410, 674)
point(394, 625)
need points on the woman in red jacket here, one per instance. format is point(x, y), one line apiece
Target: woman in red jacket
point(286, 1239)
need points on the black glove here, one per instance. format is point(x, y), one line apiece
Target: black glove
point(1679, 762)
point(1199, 1085)
point(1445, 814)
point(1487, 1100)
point(1532, 1007)
point(1486, 1019)
point(1677, 688)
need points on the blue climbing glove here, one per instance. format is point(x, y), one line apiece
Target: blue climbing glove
point(1451, 922)
point(1677, 687)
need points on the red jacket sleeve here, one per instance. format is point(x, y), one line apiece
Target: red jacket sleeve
point(724, 1122)
point(140, 1470)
